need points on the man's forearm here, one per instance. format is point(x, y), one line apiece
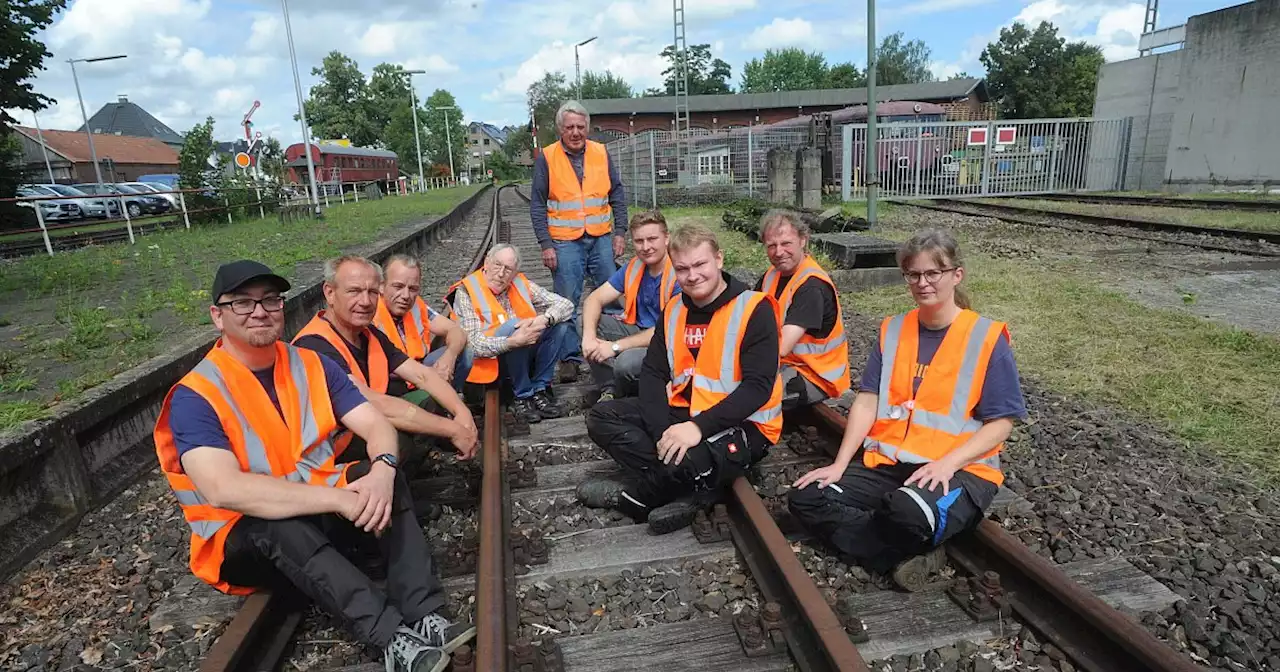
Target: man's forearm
point(455, 341)
point(791, 334)
point(271, 498)
point(408, 417)
point(591, 309)
point(426, 379)
point(638, 340)
point(990, 435)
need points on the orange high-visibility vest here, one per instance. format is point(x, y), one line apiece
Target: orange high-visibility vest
point(377, 359)
point(631, 287)
point(574, 207)
point(296, 444)
point(718, 369)
point(492, 315)
point(416, 321)
point(822, 361)
point(924, 426)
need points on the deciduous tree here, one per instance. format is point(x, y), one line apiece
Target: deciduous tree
point(1036, 74)
point(902, 62)
point(435, 144)
point(545, 97)
point(790, 69)
point(338, 106)
point(596, 85)
point(21, 56)
point(707, 75)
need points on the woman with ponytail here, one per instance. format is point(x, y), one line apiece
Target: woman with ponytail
point(936, 402)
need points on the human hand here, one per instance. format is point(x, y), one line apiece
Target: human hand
point(526, 334)
point(597, 351)
point(549, 258)
point(465, 438)
point(823, 476)
point(677, 440)
point(619, 246)
point(444, 366)
point(932, 475)
point(376, 488)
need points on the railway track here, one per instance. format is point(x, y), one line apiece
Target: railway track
point(560, 587)
point(1235, 241)
point(1165, 201)
point(10, 250)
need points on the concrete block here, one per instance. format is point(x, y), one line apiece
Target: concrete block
point(782, 175)
point(809, 178)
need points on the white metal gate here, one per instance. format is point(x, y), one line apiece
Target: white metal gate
point(986, 158)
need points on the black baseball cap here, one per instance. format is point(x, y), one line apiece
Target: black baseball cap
point(232, 275)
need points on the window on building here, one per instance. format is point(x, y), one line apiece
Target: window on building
point(486, 142)
point(714, 163)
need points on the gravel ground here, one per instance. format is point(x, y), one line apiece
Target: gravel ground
point(549, 454)
point(1020, 650)
point(562, 514)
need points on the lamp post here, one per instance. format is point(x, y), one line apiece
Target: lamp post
point(448, 138)
point(577, 66)
point(417, 137)
point(302, 112)
point(93, 151)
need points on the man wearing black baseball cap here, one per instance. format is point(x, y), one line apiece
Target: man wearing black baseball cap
point(250, 441)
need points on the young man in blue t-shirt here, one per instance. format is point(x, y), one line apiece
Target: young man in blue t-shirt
point(613, 344)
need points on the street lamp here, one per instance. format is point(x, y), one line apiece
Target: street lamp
point(417, 141)
point(93, 151)
point(577, 66)
point(448, 138)
point(302, 112)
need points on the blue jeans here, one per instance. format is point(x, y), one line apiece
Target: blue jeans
point(531, 369)
point(461, 367)
point(574, 260)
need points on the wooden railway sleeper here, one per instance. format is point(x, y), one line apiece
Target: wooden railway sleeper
point(708, 529)
point(848, 616)
point(761, 633)
point(545, 656)
point(983, 599)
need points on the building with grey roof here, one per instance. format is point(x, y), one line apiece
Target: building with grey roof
point(124, 118)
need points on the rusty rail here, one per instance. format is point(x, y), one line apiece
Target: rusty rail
point(1097, 637)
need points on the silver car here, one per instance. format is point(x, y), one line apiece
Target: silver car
point(149, 187)
point(91, 207)
point(51, 210)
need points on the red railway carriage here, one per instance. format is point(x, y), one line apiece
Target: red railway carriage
point(340, 164)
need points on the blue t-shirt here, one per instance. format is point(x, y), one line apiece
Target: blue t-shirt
point(648, 305)
point(1001, 391)
point(194, 422)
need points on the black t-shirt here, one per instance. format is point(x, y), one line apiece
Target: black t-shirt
point(813, 306)
point(395, 356)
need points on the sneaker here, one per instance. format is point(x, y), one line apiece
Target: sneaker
point(913, 574)
point(441, 633)
point(410, 652)
point(525, 410)
point(545, 406)
point(673, 516)
point(599, 493)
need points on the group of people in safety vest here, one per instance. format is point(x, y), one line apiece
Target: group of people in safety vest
point(289, 460)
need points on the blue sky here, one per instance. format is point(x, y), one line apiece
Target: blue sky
point(189, 59)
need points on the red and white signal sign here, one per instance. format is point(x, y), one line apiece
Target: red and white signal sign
point(1006, 135)
point(978, 136)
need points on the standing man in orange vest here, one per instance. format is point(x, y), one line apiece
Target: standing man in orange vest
point(343, 333)
point(936, 403)
point(578, 207)
point(410, 324)
point(516, 329)
point(614, 345)
point(710, 400)
point(248, 442)
point(815, 354)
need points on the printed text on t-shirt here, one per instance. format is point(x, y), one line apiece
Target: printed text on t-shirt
point(693, 335)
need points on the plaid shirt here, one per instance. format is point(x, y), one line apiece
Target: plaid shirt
point(554, 306)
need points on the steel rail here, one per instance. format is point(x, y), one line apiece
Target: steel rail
point(1097, 637)
point(1164, 201)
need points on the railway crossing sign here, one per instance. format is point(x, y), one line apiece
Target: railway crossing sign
point(243, 160)
point(490, 171)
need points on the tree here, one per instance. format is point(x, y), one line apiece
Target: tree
point(435, 143)
point(790, 69)
point(22, 55)
point(502, 167)
point(518, 141)
point(960, 75)
point(194, 171)
point(845, 76)
point(388, 89)
point(899, 62)
point(338, 107)
point(545, 97)
point(398, 135)
point(707, 75)
point(271, 159)
point(596, 86)
point(1037, 74)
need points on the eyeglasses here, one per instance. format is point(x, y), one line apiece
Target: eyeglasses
point(930, 276)
point(271, 304)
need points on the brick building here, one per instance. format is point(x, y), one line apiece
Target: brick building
point(965, 99)
point(122, 158)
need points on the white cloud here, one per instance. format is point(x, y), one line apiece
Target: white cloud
point(782, 33)
point(434, 64)
point(103, 27)
point(942, 70)
point(634, 60)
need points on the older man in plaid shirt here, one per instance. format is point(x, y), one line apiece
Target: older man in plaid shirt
point(515, 329)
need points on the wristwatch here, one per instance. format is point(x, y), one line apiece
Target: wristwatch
point(615, 348)
point(388, 459)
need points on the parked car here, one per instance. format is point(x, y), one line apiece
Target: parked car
point(51, 210)
point(134, 203)
point(169, 180)
point(96, 208)
point(153, 203)
point(153, 188)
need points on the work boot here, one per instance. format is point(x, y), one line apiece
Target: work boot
point(410, 652)
point(523, 409)
point(441, 633)
point(606, 394)
point(545, 406)
point(599, 493)
point(913, 573)
point(673, 516)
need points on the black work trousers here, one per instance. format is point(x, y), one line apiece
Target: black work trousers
point(707, 468)
point(871, 517)
point(312, 554)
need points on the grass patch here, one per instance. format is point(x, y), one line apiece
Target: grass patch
point(17, 412)
point(17, 382)
point(1207, 383)
point(1225, 219)
point(740, 251)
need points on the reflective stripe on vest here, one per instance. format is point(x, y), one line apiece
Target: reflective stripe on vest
point(823, 362)
point(295, 443)
point(492, 316)
point(955, 424)
point(576, 207)
point(728, 373)
point(375, 358)
point(631, 288)
point(416, 340)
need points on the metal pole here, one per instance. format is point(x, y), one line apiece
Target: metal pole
point(48, 247)
point(653, 173)
point(128, 223)
point(97, 171)
point(751, 163)
point(577, 68)
point(262, 213)
point(448, 138)
point(45, 150)
point(872, 174)
point(417, 135)
point(182, 200)
point(302, 112)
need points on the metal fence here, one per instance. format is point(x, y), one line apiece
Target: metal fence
point(914, 159)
